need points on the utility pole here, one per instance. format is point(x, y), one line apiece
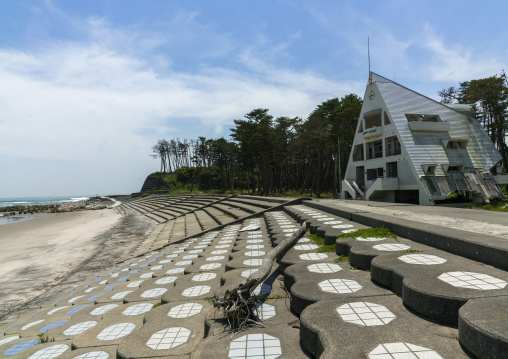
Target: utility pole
point(338, 157)
point(233, 176)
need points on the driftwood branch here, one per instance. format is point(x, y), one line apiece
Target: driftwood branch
point(238, 304)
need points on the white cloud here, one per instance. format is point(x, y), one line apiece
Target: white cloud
point(100, 107)
point(453, 62)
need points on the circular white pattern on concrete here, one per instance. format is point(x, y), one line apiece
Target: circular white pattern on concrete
point(210, 266)
point(57, 309)
point(225, 242)
point(252, 236)
point(326, 219)
point(79, 328)
point(343, 226)
point(324, 268)
point(264, 311)
point(262, 289)
point(389, 247)
point(313, 256)
point(120, 295)
point(75, 298)
point(348, 230)
point(303, 240)
point(196, 251)
point(369, 239)
point(176, 271)
point(425, 259)
point(196, 291)
point(306, 247)
point(333, 222)
point(138, 309)
point(255, 253)
point(190, 256)
point(402, 350)
point(366, 314)
point(116, 331)
point(103, 309)
point(222, 246)
point(9, 339)
point(185, 310)
point(172, 256)
point(316, 216)
point(157, 267)
point(246, 273)
point(472, 280)
point(254, 241)
point(166, 280)
point(253, 262)
point(255, 246)
point(287, 226)
point(146, 275)
point(50, 352)
point(258, 346)
point(340, 286)
point(93, 355)
point(289, 230)
point(220, 251)
point(202, 277)
point(90, 289)
point(215, 258)
point(183, 263)
point(32, 324)
point(168, 338)
point(154, 292)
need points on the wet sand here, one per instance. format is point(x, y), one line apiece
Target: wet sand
point(36, 254)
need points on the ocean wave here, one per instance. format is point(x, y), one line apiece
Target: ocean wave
point(19, 202)
point(77, 199)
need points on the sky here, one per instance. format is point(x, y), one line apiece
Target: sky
point(87, 87)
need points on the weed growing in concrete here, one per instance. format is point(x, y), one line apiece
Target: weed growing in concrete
point(341, 258)
point(227, 215)
point(156, 305)
point(43, 338)
point(378, 232)
point(410, 251)
point(317, 239)
point(326, 248)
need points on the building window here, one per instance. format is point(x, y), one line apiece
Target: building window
point(425, 118)
point(392, 146)
point(375, 149)
point(358, 153)
point(455, 144)
point(373, 121)
point(391, 170)
point(429, 170)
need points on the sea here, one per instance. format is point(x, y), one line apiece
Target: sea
point(5, 202)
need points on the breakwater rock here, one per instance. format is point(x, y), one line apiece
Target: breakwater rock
point(91, 204)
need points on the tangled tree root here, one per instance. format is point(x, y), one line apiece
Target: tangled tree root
point(238, 305)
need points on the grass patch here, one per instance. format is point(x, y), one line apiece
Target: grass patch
point(500, 205)
point(156, 305)
point(410, 251)
point(378, 232)
point(209, 299)
point(326, 248)
point(227, 215)
point(341, 258)
point(317, 239)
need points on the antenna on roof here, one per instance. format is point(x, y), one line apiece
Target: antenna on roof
point(368, 54)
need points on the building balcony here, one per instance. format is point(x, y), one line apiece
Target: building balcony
point(372, 132)
point(428, 126)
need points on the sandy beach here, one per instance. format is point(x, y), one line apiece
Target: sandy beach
point(37, 253)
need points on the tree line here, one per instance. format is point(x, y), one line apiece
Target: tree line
point(268, 154)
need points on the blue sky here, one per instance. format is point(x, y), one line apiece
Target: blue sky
point(88, 86)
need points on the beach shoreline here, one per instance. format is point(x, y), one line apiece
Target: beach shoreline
point(42, 252)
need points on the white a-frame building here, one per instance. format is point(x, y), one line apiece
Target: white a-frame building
point(410, 148)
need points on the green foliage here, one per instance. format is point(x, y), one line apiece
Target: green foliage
point(410, 251)
point(43, 338)
point(326, 248)
point(227, 215)
point(209, 299)
point(341, 258)
point(156, 305)
point(500, 205)
point(378, 232)
point(317, 239)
